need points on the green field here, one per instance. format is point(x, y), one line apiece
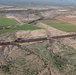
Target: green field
point(26, 27)
point(7, 21)
point(61, 25)
point(23, 27)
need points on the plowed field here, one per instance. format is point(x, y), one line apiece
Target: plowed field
point(68, 19)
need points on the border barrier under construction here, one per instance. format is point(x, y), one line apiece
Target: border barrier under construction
point(20, 40)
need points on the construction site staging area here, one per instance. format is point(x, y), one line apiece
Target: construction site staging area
point(37, 41)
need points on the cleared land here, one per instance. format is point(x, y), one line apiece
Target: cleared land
point(8, 21)
point(23, 27)
point(68, 19)
point(50, 19)
point(61, 25)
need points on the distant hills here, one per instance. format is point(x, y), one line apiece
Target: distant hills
point(38, 1)
point(71, 1)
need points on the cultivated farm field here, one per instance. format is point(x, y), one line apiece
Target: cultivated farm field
point(26, 27)
point(23, 27)
point(8, 21)
point(68, 19)
point(61, 25)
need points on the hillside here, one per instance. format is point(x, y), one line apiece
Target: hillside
point(37, 40)
point(53, 57)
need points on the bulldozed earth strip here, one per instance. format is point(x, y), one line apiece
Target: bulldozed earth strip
point(20, 40)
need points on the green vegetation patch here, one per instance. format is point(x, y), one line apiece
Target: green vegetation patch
point(61, 25)
point(5, 68)
point(26, 27)
point(23, 27)
point(7, 21)
point(59, 61)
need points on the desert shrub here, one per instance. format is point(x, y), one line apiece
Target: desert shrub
point(59, 61)
point(5, 68)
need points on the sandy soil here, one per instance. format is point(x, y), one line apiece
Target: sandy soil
point(31, 34)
